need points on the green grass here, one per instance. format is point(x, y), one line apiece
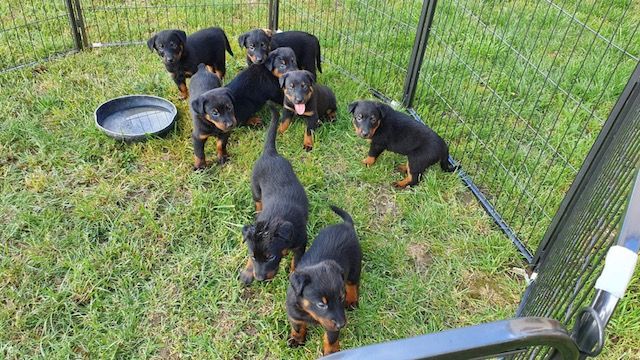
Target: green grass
point(115, 250)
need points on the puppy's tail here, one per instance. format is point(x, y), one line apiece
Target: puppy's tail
point(343, 214)
point(318, 57)
point(226, 44)
point(270, 139)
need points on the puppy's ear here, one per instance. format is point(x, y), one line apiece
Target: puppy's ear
point(298, 281)
point(182, 36)
point(283, 79)
point(229, 94)
point(248, 231)
point(151, 43)
point(310, 77)
point(335, 267)
point(268, 32)
point(270, 59)
point(197, 105)
point(285, 230)
point(242, 40)
point(383, 109)
point(352, 106)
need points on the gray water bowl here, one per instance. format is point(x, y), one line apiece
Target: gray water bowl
point(135, 117)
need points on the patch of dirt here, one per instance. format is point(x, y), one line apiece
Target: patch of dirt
point(482, 287)
point(166, 352)
point(420, 255)
point(384, 204)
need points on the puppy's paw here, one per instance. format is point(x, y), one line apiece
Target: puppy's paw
point(246, 277)
point(293, 342)
point(223, 160)
point(307, 147)
point(399, 184)
point(402, 168)
point(351, 305)
point(368, 161)
point(254, 121)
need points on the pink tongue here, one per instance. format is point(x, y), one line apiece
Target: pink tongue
point(299, 108)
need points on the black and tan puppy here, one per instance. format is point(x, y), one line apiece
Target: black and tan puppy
point(257, 84)
point(305, 98)
point(212, 114)
point(392, 130)
point(282, 208)
point(324, 283)
point(259, 42)
point(181, 54)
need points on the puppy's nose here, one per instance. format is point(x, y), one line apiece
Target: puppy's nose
point(339, 324)
point(171, 60)
point(298, 100)
point(259, 60)
point(364, 133)
point(259, 277)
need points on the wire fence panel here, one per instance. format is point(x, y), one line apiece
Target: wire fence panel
point(111, 22)
point(521, 90)
point(33, 30)
point(370, 41)
point(574, 258)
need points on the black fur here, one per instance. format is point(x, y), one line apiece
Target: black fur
point(212, 114)
point(395, 131)
point(319, 102)
point(324, 276)
point(281, 225)
point(257, 84)
point(181, 54)
point(259, 42)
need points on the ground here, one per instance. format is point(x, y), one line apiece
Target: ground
point(116, 250)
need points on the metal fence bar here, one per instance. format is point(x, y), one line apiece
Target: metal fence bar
point(417, 54)
point(274, 13)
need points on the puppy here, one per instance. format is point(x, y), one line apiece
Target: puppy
point(259, 42)
point(212, 114)
point(324, 283)
point(400, 133)
point(282, 206)
point(302, 96)
point(181, 54)
point(257, 84)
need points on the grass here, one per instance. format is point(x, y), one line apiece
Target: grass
point(114, 250)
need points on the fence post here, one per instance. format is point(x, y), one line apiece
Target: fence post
point(417, 54)
point(77, 38)
point(76, 21)
point(274, 12)
point(591, 162)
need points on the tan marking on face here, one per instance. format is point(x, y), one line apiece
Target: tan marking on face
point(217, 124)
point(252, 58)
point(248, 270)
point(327, 347)
point(209, 68)
point(326, 323)
point(258, 206)
point(324, 300)
point(373, 130)
point(219, 74)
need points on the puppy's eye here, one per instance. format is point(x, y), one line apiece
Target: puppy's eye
point(253, 258)
point(359, 117)
point(161, 46)
point(321, 305)
point(263, 45)
point(215, 112)
point(304, 86)
point(251, 47)
point(271, 258)
point(290, 86)
point(228, 108)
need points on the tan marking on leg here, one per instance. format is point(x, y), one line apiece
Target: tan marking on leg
point(328, 348)
point(199, 163)
point(369, 160)
point(403, 168)
point(246, 275)
point(221, 151)
point(292, 268)
point(404, 182)
point(254, 121)
point(298, 337)
point(308, 141)
point(352, 296)
point(284, 125)
point(184, 92)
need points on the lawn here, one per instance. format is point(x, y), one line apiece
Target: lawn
point(116, 250)
point(121, 251)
